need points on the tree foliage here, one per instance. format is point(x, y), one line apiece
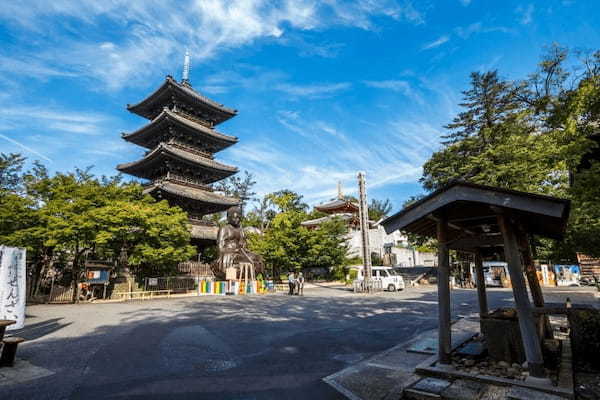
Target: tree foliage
point(69, 216)
point(379, 209)
point(239, 187)
point(535, 135)
point(286, 245)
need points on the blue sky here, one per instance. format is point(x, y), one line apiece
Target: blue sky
point(324, 89)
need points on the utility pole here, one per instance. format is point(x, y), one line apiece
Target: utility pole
point(364, 230)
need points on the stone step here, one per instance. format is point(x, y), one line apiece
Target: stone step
point(426, 388)
point(413, 394)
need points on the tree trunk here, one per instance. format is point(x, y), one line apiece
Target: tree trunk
point(45, 265)
point(76, 271)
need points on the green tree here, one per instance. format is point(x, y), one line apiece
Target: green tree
point(68, 216)
point(286, 245)
point(488, 102)
point(287, 200)
point(11, 166)
point(379, 209)
point(541, 137)
point(239, 187)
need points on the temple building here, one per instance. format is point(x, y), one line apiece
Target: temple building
point(341, 207)
point(346, 209)
point(181, 139)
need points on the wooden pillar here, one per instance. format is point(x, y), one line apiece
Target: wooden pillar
point(544, 327)
point(444, 333)
point(530, 272)
point(531, 340)
point(481, 295)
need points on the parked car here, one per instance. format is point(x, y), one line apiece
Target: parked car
point(390, 279)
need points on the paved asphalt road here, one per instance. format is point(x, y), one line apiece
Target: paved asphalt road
point(256, 347)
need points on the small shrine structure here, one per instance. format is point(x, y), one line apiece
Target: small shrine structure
point(481, 219)
point(340, 207)
point(181, 139)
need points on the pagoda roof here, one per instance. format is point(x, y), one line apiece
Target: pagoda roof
point(338, 205)
point(143, 167)
point(145, 135)
point(202, 198)
point(147, 107)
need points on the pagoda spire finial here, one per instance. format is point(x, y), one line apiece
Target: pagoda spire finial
point(186, 68)
point(339, 190)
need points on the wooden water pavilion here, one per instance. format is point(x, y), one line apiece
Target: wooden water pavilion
point(481, 220)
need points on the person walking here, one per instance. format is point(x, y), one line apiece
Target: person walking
point(300, 281)
point(291, 282)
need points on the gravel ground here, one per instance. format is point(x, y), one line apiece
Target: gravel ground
point(253, 347)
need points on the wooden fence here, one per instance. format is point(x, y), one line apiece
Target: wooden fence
point(60, 294)
point(196, 269)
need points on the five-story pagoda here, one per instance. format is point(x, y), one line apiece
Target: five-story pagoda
point(181, 141)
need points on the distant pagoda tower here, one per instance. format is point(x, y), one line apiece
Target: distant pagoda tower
point(181, 141)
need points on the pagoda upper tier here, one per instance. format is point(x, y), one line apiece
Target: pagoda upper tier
point(181, 97)
point(173, 159)
point(172, 126)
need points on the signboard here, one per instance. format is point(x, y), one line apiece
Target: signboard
point(567, 275)
point(12, 285)
point(231, 274)
point(152, 281)
point(97, 276)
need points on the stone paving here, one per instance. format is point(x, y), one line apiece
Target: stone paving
point(255, 347)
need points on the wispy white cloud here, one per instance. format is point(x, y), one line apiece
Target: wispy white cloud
point(398, 86)
point(24, 147)
point(395, 153)
point(61, 135)
point(492, 64)
point(436, 43)
point(51, 119)
point(465, 2)
point(313, 91)
point(32, 68)
point(154, 34)
point(465, 32)
point(525, 13)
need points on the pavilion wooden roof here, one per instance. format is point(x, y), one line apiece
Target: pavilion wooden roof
point(150, 107)
point(471, 211)
point(151, 134)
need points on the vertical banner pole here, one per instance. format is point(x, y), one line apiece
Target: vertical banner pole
point(13, 284)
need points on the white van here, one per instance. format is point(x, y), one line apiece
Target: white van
point(390, 279)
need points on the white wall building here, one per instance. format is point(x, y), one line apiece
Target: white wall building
point(405, 255)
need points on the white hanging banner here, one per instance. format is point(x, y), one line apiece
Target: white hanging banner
point(12, 285)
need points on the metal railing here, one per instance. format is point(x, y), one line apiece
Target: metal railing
point(172, 283)
point(145, 295)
